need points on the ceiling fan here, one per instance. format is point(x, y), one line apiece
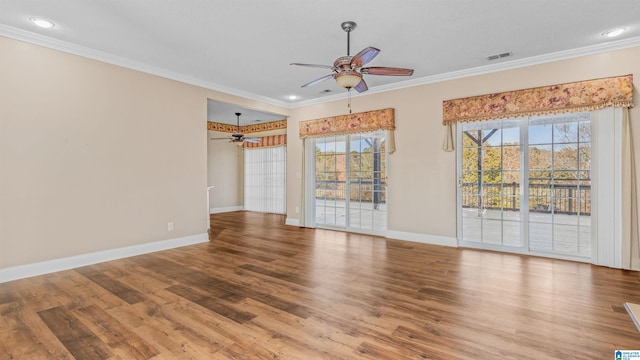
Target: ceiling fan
point(348, 70)
point(238, 137)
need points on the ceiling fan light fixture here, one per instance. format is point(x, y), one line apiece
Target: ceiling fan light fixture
point(348, 79)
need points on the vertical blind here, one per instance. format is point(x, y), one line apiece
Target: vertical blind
point(264, 179)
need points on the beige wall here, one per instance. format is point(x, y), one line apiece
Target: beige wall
point(225, 164)
point(226, 170)
point(95, 156)
point(422, 177)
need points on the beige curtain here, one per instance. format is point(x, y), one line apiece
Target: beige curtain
point(392, 141)
point(587, 95)
point(448, 142)
point(267, 141)
point(302, 221)
point(367, 121)
point(247, 129)
point(630, 238)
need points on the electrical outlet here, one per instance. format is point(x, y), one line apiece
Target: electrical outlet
point(170, 226)
point(297, 209)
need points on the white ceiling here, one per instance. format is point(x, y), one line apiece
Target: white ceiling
point(244, 47)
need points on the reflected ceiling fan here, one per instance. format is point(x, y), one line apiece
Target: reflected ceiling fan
point(238, 137)
point(348, 70)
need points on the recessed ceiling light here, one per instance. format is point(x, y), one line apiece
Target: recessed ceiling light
point(613, 32)
point(292, 97)
point(43, 23)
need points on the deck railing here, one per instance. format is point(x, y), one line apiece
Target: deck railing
point(543, 198)
point(361, 190)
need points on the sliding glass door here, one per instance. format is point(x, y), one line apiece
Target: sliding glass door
point(525, 185)
point(350, 182)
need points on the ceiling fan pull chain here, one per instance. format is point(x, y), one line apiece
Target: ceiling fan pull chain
point(349, 99)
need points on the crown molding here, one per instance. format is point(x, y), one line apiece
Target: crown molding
point(41, 40)
point(486, 69)
point(64, 46)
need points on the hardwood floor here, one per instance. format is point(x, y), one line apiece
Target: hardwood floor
point(263, 290)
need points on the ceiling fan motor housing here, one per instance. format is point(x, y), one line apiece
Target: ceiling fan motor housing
point(342, 63)
point(346, 74)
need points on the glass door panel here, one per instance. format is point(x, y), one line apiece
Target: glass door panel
point(351, 182)
point(560, 185)
point(490, 184)
point(330, 176)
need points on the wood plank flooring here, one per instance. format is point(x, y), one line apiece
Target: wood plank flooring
point(263, 290)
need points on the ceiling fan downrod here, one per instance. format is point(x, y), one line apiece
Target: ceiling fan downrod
point(348, 26)
point(238, 121)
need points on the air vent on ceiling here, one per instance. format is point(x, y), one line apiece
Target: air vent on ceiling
point(499, 56)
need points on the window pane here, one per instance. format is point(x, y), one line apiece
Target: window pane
point(472, 229)
point(511, 233)
point(584, 157)
point(565, 157)
point(584, 130)
point(540, 134)
point(470, 159)
point(540, 157)
point(540, 236)
point(511, 136)
point(511, 157)
point(492, 232)
point(492, 158)
point(565, 133)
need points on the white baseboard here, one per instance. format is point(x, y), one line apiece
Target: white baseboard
point(423, 238)
point(225, 209)
point(292, 222)
point(46, 267)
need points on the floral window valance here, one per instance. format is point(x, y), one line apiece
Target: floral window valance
point(266, 126)
point(577, 96)
point(267, 141)
point(349, 124)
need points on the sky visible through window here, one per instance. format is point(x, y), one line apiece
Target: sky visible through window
point(542, 130)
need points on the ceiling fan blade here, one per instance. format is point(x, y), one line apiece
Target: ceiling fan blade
point(252, 140)
point(382, 70)
point(363, 57)
point(313, 65)
point(318, 80)
point(224, 138)
point(362, 86)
